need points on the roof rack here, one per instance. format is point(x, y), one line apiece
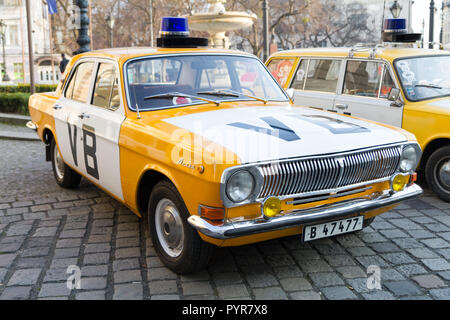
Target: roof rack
point(362, 48)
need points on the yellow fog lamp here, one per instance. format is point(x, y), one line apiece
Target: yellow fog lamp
point(399, 182)
point(271, 207)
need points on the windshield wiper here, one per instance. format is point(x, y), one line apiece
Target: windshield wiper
point(432, 86)
point(219, 93)
point(232, 93)
point(247, 95)
point(181, 95)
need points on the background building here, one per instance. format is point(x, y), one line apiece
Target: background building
point(13, 14)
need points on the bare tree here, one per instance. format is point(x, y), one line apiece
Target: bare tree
point(281, 15)
point(337, 24)
point(292, 23)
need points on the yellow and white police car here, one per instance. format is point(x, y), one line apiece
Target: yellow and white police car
point(392, 83)
point(208, 147)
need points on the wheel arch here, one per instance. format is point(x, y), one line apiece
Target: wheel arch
point(148, 180)
point(431, 147)
point(47, 135)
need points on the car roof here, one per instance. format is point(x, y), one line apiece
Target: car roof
point(360, 52)
point(123, 54)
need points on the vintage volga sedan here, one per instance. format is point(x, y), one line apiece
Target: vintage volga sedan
point(403, 87)
point(207, 146)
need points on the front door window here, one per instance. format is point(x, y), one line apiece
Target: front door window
point(362, 78)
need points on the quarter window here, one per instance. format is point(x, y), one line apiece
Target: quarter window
point(78, 88)
point(322, 75)
point(387, 84)
point(280, 69)
point(106, 94)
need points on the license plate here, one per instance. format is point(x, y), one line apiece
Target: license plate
point(332, 228)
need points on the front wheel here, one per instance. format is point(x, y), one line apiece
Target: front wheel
point(64, 175)
point(177, 244)
point(437, 172)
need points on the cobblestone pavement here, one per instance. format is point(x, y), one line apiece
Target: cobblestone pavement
point(19, 132)
point(44, 229)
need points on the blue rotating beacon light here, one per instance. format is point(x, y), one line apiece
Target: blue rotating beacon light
point(395, 30)
point(174, 33)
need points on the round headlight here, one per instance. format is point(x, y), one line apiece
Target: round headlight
point(240, 186)
point(408, 159)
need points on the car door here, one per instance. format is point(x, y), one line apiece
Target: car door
point(316, 81)
point(67, 111)
point(100, 128)
point(365, 89)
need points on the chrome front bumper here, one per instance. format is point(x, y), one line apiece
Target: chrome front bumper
point(302, 217)
point(31, 125)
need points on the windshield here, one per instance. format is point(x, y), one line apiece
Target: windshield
point(424, 77)
point(165, 82)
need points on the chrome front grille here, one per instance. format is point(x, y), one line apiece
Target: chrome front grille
point(327, 173)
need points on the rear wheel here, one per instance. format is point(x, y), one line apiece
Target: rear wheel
point(64, 175)
point(437, 172)
point(177, 244)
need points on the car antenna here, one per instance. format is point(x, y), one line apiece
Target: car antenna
point(137, 110)
point(137, 106)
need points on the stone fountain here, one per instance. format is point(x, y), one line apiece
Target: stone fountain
point(217, 21)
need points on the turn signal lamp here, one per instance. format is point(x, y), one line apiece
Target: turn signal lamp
point(412, 179)
point(271, 207)
point(215, 216)
point(399, 182)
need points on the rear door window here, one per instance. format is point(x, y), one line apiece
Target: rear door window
point(322, 75)
point(79, 85)
point(69, 90)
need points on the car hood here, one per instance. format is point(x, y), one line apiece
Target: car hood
point(441, 106)
point(268, 133)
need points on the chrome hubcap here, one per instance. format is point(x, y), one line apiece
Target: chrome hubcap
point(169, 227)
point(59, 164)
point(444, 174)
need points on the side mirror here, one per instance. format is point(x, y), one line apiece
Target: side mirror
point(394, 95)
point(290, 92)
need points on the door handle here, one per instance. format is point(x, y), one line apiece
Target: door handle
point(83, 115)
point(341, 106)
point(57, 107)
